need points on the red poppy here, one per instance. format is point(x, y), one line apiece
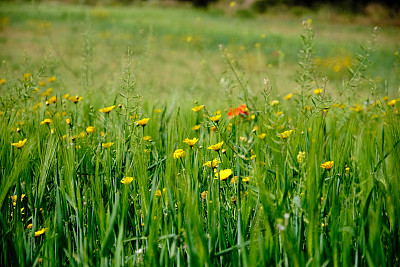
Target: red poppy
point(241, 110)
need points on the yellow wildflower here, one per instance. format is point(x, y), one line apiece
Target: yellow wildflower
point(66, 96)
point(215, 118)
point(42, 83)
point(318, 91)
point(179, 153)
point(107, 145)
point(47, 92)
point(46, 121)
point(301, 156)
point(157, 110)
point(223, 174)
point(2, 81)
point(197, 109)
point(274, 102)
point(40, 232)
point(90, 129)
point(68, 121)
point(246, 179)
point(146, 138)
point(357, 107)
point(51, 79)
point(327, 165)
point(158, 193)
point(196, 127)
point(52, 99)
point(217, 146)
point(75, 99)
point(212, 164)
point(82, 135)
point(142, 122)
point(288, 96)
point(285, 134)
point(19, 144)
point(27, 76)
point(127, 180)
point(262, 136)
point(29, 226)
point(191, 142)
point(107, 109)
point(392, 102)
point(204, 194)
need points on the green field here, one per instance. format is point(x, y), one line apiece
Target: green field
point(165, 135)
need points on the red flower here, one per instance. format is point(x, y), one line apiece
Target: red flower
point(241, 110)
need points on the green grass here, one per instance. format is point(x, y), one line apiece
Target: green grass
point(290, 211)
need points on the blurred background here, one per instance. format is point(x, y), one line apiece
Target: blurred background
point(179, 49)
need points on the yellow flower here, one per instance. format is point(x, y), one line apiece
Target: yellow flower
point(285, 134)
point(82, 135)
point(215, 118)
point(68, 121)
point(274, 102)
point(191, 142)
point(19, 144)
point(318, 91)
point(223, 174)
point(327, 165)
point(107, 109)
point(146, 138)
point(246, 179)
point(14, 198)
point(197, 109)
point(288, 96)
point(40, 232)
point(46, 121)
point(196, 127)
point(75, 99)
point(53, 131)
point(142, 122)
point(66, 96)
point(212, 164)
point(90, 129)
point(392, 102)
point(52, 99)
point(47, 92)
point(216, 147)
point(27, 76)
point(157, 110)
point(127, 180)
point(42, 83)
point(2, 81)
point(262, 136)
point(51, 79)
point(386, 98)
point(307, 108)
point(204, 194)
point(301, 156)
point(347, 170)
point(357, 107)
point(158, 193)
point(35, 90)
point(107, 145)
point(179, 153)
point(29, 226)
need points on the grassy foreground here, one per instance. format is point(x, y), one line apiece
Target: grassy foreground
point(304, 178)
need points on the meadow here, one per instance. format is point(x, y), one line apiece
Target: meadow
point(170, 136)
